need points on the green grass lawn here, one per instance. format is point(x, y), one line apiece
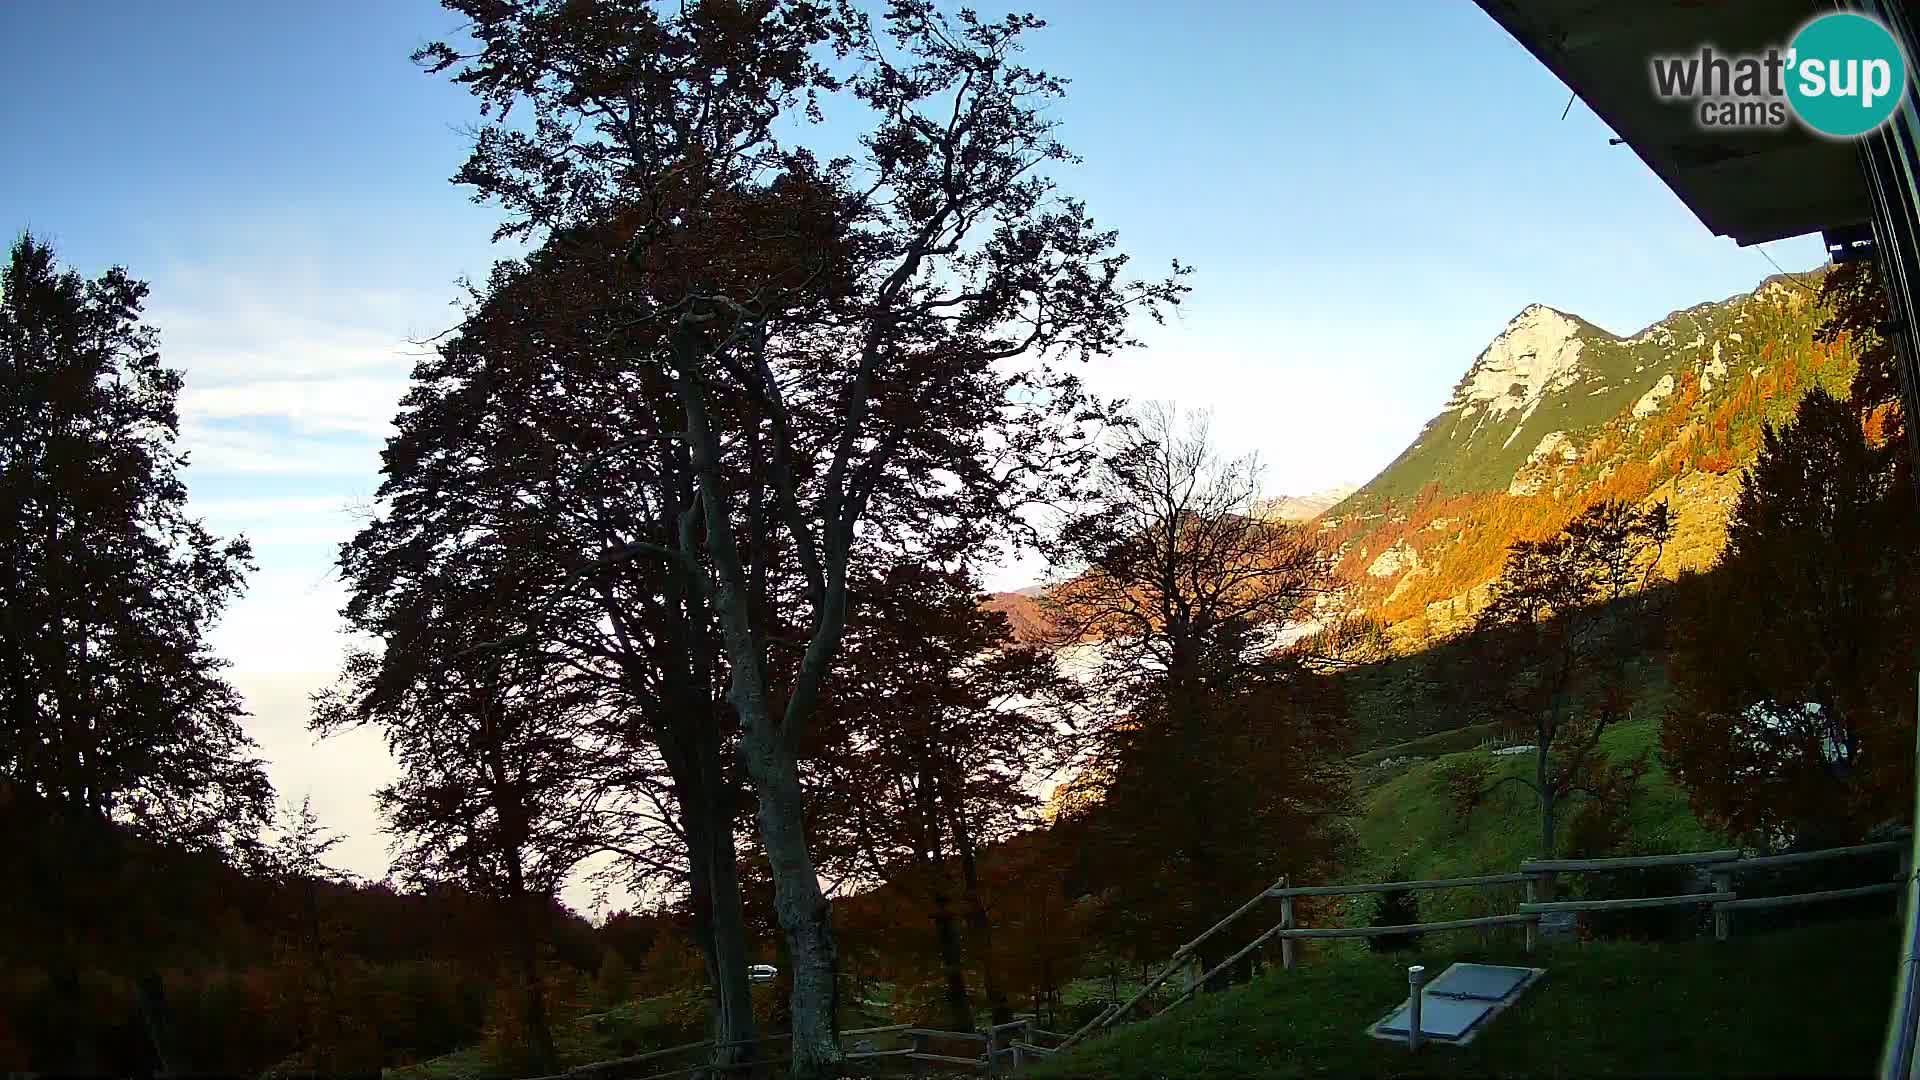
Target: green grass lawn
point(1809, 1002)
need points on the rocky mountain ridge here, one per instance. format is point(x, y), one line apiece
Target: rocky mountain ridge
point(1556, 413)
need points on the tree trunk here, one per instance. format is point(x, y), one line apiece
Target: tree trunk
point(150, 993)
point(979, 926)
point(930, 795)
point(1549, 814)
point(770, 750)
point(799, 903)
point(691, 744)
point(1542, 781)
point(527, 962)
point(720, 926)
point(946, 928)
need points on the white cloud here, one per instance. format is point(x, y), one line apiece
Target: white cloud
point(232, 512)
point(289, 619)
point(350, 404)
point(253, 452)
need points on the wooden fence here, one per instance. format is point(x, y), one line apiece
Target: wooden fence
point(1004, 1050)
point(1540, 877)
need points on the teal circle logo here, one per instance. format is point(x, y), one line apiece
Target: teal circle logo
point(1845, 75)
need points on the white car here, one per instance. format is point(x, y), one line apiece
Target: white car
point(762, 973)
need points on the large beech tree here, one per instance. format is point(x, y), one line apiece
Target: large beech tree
point(525, 425)
point(842, 326)
point(1213, 771)
point(938, 727)
point(491, 732)
point(114, 717)
point(1558, 629)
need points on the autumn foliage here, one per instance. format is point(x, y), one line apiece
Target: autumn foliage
point(1794, 724)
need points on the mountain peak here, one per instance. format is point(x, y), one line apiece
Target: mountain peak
point(1555, 404)
point(1538, 353)
point(1548, 319)
point(1304, 507)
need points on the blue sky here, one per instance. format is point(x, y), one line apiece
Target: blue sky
point(1367, 198)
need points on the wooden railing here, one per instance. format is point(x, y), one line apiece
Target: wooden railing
point(1724, 868)
point(626, 1066)
point(1540, 877)
point(1005, 1050)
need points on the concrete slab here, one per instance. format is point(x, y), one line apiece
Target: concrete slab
point(1481, 982)
point(1452, 1020)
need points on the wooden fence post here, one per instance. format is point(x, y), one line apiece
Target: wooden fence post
point(1722, 918)
point(921, 1067)
point(1533, 928)
point(1286, 920)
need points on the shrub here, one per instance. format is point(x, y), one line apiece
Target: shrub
point(1643, 924)
point(1600, 817)
point(1463, 783)
point(420, 1010)
point(1396, 908)
point(614, 983)
point(1072, 1017)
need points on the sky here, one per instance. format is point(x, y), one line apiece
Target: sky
point(1368, 195)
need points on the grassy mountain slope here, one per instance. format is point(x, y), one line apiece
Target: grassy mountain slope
point(1407, 822)
point(1549, 372)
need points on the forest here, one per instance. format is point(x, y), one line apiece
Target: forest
point(675, 582)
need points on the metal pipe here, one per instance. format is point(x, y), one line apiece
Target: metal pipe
point(1897, 1059)
point(1416, 978)
point(1887, 166)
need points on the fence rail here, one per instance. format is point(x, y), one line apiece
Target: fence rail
point(1395, 886)
point(1627, 904)
point(1334, 932)
point(1757, 903)
point(1019, 1043)
point(1767, 862)
point(1630, 862)
point(1014, 1044)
